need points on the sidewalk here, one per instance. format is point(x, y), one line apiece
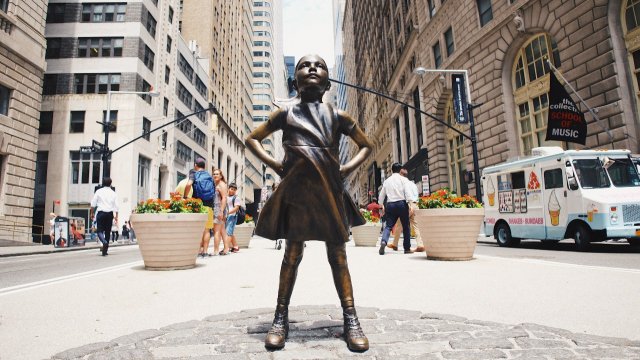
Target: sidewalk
point(6, 251)
point(222, 308)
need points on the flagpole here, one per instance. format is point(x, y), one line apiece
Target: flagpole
point(593, 113)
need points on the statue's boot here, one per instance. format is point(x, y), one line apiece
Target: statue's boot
point(279, 330)
point(353, 334)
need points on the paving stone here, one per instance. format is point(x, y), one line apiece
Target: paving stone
point(259, 311)
point(183, 351)
point(84, 350)
point(474, 354)
point(443, 317)
point(543, 353)
point(367, 312)
point(307, 354)
point(491, 324)
point(138, 336)
point(445, 336)
point(137, 354)
point(485, 343)
point(516, 332)
point(314, 333)
point(392, 337)
point(397, 314)
point(594, 339)
point(420, 348)
point(182, 326)
point(527, 343)
point(456, 327)
point(605, 353)
point(319, 324)
point(545, 335)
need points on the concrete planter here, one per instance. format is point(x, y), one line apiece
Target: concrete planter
point(450, 234)
point(169, 241)
point(367, 234)
point(243, 234)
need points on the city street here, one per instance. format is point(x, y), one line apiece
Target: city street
point(93, 299)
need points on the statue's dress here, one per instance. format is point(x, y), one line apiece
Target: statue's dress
point(310, 203)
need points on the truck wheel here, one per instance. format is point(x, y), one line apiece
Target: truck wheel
point(582, 236)
point(502, 234)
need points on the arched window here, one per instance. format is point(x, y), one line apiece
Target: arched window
point(455, 153)
point(531, 87)
point(631, 13)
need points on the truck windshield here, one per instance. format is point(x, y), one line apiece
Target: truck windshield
point(591, 174)
point(623, 173)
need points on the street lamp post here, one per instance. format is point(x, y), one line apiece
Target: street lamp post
point(106, 153)
point(472, 128)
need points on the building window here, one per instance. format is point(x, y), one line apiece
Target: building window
point(448, 39)
point(432, 7)
point(530, 79)
point(263, 97)
point(262, 107)
point(146, 87)
point(169, 43)
point(149, 57)
point(165, 109)
point(55, 13)
point(113, 120)
point(201, 114)
point(260, 118)
point(261, 86)
point(146, 127)
point(201, 87)
point(184, 95)
point(262, 23)
point(185, 125)
point(85, 168)
point(170, 15)
point(144, 170)
point(183, 152)
point(261, 64)
point(485, 12)
point(407, 132)
point(261, 75)
point(184, 66)
point(261, 54)
point(77, 122)
point(437, 54)
point(455, 153)
point(199, 137)
point(96, 83)
point(5, 96)
point(418, 116)
point(261, 43)
point(632, 14)
point(50, 84)
point(100, 47)
point(151, 25)
point(103, 12)
point(167, 74)
point(46, 122)
point(53, 48)
point(398, 143)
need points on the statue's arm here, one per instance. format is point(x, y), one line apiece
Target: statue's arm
point(364, 146)
point(254, 144)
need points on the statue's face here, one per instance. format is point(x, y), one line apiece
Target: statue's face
point(312, 73)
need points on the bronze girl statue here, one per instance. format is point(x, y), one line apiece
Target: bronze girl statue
point(311, 203)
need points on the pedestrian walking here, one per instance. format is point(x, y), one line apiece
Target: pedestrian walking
point(200, 184)
point(220, 213)
point(395, 190)
point(125, 231)
point(105, 202)
point(114, 231)
point(311, 202)
point(232, 216)
point(52, 226)
point(413, 195)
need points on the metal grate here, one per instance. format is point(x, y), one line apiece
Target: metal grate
point(631, 213)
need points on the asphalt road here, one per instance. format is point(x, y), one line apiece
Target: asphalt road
point(29, 269)
point(608, 254)
point(33, 269)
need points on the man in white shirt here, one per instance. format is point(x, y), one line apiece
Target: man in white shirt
point(412, 193)
point(105, 201)
point(395, 188)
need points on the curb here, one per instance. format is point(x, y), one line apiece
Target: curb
point(59, 250)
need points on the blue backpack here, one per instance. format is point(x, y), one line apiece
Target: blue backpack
point(203, 188)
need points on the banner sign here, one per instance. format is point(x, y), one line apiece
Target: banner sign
point(565, 122)
point(459, 98)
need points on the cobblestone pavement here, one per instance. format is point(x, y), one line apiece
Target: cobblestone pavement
point(316, 331)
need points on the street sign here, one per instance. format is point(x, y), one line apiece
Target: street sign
point(97, 145)
point(86, 149)
point(459, 98)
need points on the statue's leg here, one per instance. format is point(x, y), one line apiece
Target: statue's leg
point(353, 334)
point(288, 272)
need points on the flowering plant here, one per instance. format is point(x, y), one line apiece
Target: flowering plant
point(445, 198)
point(174, 205)
point(368, 215)
point(248, 218)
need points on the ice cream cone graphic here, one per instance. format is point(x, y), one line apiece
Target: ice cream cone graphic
point(491, 193)
point(592, 210)
point(554, 208)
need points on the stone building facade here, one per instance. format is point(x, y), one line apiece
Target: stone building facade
point(504, 45)
point(22, 65)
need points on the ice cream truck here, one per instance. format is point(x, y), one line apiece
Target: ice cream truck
point(587, 195)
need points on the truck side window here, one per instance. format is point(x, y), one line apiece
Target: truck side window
point(517, 178)
point(553, 179)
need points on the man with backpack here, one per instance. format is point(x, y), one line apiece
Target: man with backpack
point(203, 188)
point(236, 215)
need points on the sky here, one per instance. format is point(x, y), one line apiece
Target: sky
point(308, 29)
